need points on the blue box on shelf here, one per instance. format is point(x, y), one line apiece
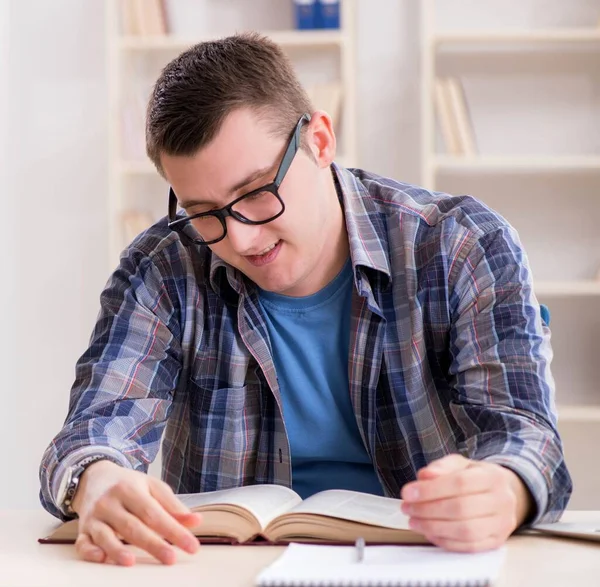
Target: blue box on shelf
point(306, 14)
point(328, 14)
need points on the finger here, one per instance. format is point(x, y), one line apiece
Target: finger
point(473, 530)
point(104, 537)
point(165, 496)
point(465, 482)
point(490, 543)
point(192, 520)
point(135, 532)
point(87, 550)
point(154, 516)
point(454, 508)
point(448, 464)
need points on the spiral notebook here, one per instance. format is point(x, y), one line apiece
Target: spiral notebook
point(305, 565)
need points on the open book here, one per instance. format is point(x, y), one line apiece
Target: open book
point(276, 514)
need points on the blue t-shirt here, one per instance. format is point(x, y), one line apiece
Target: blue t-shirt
point(310, 339)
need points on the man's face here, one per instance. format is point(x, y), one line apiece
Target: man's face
point(287, 254)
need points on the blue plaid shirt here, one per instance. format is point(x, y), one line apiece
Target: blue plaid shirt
point(448, 353)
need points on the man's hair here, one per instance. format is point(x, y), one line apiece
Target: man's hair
point(201, 87)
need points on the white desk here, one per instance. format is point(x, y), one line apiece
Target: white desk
point(531, 561)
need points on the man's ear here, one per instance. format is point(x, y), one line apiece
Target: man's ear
point(320, 137)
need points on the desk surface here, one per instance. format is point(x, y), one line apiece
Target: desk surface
point(531, 560)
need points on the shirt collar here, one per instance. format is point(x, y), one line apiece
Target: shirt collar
point(367, 234)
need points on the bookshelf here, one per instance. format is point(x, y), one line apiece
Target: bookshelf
point(321, 56)
point(508, 163)
point(294, 38)
point(558, 184)
point(486, 37)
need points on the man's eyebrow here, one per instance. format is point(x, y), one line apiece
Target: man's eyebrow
point(250, 178)
point(238, 186)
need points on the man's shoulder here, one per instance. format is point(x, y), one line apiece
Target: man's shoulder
point(429, 208)
point(162, 247)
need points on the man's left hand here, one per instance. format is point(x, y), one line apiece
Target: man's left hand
point(465, 505)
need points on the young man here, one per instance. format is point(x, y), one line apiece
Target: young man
point(304, 324)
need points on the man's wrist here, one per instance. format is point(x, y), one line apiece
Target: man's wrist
point(79, 496)
point(525, 504)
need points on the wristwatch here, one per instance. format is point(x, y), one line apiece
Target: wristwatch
point(70, 481)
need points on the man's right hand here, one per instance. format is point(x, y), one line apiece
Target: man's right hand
point(113, 502)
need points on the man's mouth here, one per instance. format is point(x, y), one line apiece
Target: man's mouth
point(267, 255)
point(265, 251)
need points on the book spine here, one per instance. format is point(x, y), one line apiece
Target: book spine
point(446, 120)
point(464, 125)
point(129, 21)
point(328, 14)
point(305, 14)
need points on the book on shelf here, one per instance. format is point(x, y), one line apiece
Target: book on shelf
point(327, 97)
point(328, 14)
point(134, 223)
point(144, 17)
point(134, 97)
point(454, 118)
point(305, 12)
point(270, 514)
point(132, 114)
point(464, 126)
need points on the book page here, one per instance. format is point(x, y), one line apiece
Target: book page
point(356, 506)
point(264, 502)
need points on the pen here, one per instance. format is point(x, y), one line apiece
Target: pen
point(359, 549)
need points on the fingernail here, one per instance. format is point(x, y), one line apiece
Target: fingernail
point(414, 523)
point(191, 545)
point(407, 508)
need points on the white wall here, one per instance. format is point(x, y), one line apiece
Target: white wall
point(57, 138)
point(7, 259)
point(58, 142)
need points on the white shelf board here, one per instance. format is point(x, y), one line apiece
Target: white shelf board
point(567, 288)
point(578, 413)
point(507, 36)
point(550, 163)
point(290, 38)
point(137, 168)
point(146, 168)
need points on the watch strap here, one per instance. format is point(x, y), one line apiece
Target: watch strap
point(76, 471)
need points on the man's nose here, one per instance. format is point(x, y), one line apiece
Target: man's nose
point(241, 236)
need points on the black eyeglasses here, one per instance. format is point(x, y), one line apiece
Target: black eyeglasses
point(259, 206)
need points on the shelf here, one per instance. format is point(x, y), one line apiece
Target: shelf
point(525, 163)
point(146, 168)
point(567, 288)
point(539, 36)
point(578, 413)
point(293, 38)
point(137, 168)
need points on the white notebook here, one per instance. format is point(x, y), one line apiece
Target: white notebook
point(304, 565)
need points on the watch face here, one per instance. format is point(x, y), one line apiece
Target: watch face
point(62, 490)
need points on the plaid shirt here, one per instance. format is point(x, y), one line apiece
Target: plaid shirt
point(448, 353)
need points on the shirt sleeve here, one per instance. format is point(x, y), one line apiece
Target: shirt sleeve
point(125, 380)
point(504, 396)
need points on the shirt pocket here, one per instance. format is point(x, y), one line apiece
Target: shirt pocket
point(225, 428)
